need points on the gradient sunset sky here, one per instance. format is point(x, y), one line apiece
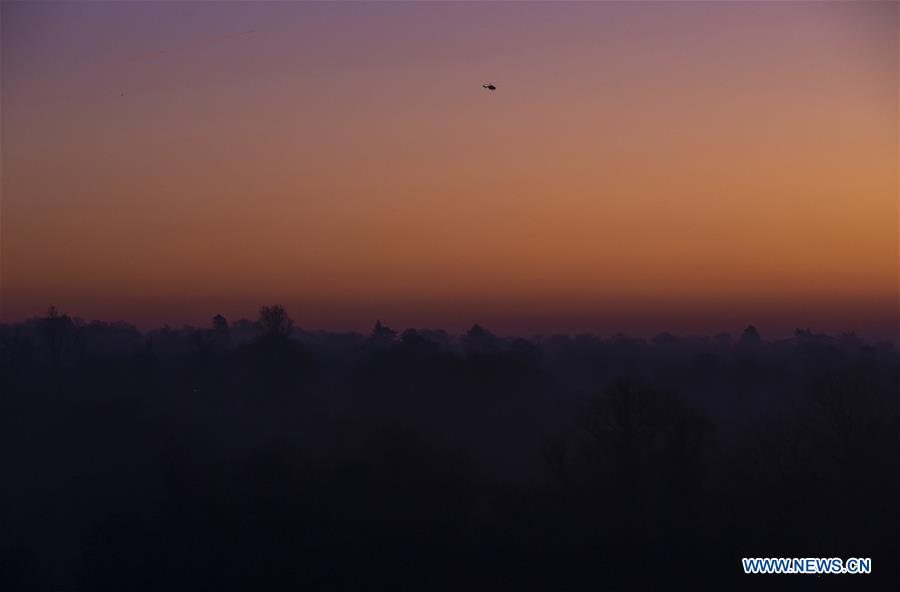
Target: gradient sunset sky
point(690, 167)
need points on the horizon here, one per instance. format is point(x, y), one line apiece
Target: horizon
point(734, 332)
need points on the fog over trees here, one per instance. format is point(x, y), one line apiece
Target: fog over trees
point(259, 455)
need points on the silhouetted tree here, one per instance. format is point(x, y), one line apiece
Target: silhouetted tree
point(750, 336)
point(382, 334)
point(56, 329)
point(479, 340)
point(219, 323)
point(801, 333)
point(274, 320)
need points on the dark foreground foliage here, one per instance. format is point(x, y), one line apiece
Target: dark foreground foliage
point(258, 456)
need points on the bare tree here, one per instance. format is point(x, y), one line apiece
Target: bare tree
point(274, 320)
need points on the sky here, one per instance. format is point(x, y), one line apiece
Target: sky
point(641, 167)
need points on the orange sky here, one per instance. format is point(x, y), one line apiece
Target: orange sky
point(641, 167)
